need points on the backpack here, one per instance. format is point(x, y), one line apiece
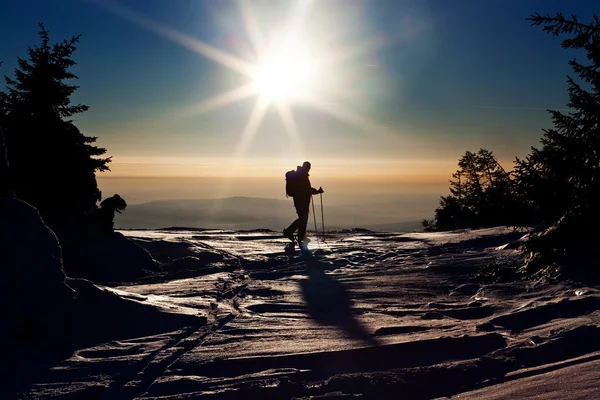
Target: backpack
point(291, 183)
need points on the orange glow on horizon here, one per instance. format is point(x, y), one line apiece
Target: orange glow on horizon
point(376, 171)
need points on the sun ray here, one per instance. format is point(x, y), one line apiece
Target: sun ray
point(337, 111)
point(348, 52)
point(252, 28)
point(256, 118)
point(214, 103)
point(297, 19)
point(287, 118)
point(254, 121)
point(219, 56)
point(221, 100)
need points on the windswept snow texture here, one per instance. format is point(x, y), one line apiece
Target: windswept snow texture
point(363, 315)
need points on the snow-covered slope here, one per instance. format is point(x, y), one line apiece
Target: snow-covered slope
point(366, 314)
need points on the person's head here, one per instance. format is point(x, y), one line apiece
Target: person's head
point(306, 166)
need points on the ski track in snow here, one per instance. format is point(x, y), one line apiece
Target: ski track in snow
point(363, 307)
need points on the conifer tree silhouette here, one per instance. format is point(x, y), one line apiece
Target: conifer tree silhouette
point(560, 181)
point(480, 194)
point(565, 171)
point(52, 164)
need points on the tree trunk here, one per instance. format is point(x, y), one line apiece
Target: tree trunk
point(6, 189)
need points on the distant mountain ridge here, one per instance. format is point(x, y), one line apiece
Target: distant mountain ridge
point(246, 213)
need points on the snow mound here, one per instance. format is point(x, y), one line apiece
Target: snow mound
point(36, 297)
point(109, 257)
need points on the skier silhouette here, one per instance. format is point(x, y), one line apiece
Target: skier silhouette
point(299, 188)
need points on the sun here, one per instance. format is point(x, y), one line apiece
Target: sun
point(291, 66)
point(276, 80)
point(285, 75)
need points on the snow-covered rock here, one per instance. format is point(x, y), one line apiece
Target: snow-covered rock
point(35, 296)
point(109, 257)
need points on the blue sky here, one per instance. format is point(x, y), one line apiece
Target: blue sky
point(447, 76)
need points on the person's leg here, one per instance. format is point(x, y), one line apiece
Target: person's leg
point(299, 206)
point(303, 221)
point(289, 231)
point(293, 226)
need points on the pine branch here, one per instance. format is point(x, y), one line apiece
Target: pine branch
point(559, 24)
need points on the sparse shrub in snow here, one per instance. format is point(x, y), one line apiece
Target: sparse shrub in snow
point(570, 242)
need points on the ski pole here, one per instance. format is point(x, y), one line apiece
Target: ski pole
point(322, 217)
point(314, 217)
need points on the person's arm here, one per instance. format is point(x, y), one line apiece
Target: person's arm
point(317, 191)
